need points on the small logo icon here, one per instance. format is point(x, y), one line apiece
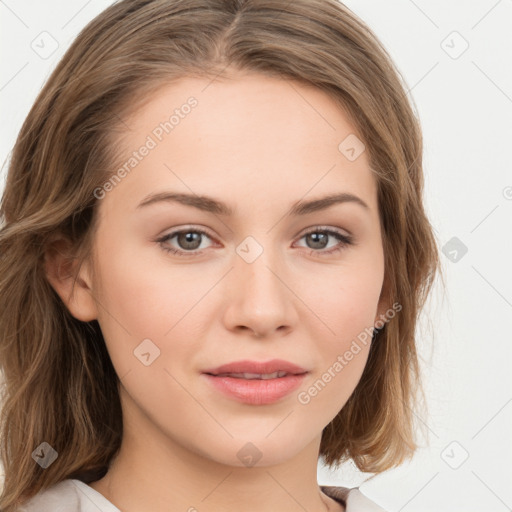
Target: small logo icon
point(507, 193)
point(351, 147)
point(454, 249)
point(146, 352)
point(249, 250)
point(249, 455)
point(44, 455)
point(45, 45)
point(455, 455)
point(454, 45)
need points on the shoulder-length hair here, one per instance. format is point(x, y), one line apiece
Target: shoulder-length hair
point(59, 385)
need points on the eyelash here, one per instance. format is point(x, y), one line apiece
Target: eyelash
point(345, 240)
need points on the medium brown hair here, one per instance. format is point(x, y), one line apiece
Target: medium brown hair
point(59, 384)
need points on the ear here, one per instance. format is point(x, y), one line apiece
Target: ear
point(60, 267)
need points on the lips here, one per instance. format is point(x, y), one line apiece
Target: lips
point(247, 369)
point(255, 382)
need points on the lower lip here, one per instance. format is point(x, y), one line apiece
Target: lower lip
point(256, 391)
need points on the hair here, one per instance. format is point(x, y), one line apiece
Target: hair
point(59, 385)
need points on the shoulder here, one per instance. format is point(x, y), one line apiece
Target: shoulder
point(69, 495)
point(61, 496)
point(351, 498)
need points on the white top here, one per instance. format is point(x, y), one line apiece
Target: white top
point(73, 495)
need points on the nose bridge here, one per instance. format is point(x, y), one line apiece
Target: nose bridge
point(257, 267)
point(260, 300)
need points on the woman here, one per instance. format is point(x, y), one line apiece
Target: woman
point(214, 254)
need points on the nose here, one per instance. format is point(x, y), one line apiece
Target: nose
point(261, 301)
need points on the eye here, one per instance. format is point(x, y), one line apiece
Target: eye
point(190, 239)
point(319, 237)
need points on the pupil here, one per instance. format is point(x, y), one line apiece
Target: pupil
point(319, 238)
point(187, 241)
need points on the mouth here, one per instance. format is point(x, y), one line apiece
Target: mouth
point(260, 384)
point(255, 391)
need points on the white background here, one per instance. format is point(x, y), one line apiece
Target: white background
point(464, 101)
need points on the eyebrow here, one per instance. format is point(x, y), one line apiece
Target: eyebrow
point(211, 205)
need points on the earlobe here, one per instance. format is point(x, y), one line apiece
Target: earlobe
point(60, 267)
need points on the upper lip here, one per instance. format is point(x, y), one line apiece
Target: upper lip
point(264, 367)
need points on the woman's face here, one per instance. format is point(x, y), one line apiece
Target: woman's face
point(259, 146)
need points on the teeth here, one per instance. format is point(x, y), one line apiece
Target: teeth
point(263, 376)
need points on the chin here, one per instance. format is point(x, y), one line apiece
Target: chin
point(254, 451)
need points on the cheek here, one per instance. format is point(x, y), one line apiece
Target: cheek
point(347, 305)
point(349, 311)
point(344, 299)
point(141, 301)
point(355, 306)
point(327, 392)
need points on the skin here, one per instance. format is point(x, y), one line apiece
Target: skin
point(259, 144)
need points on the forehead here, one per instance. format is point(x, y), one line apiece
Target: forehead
point(247, 107)
point(273, 137)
